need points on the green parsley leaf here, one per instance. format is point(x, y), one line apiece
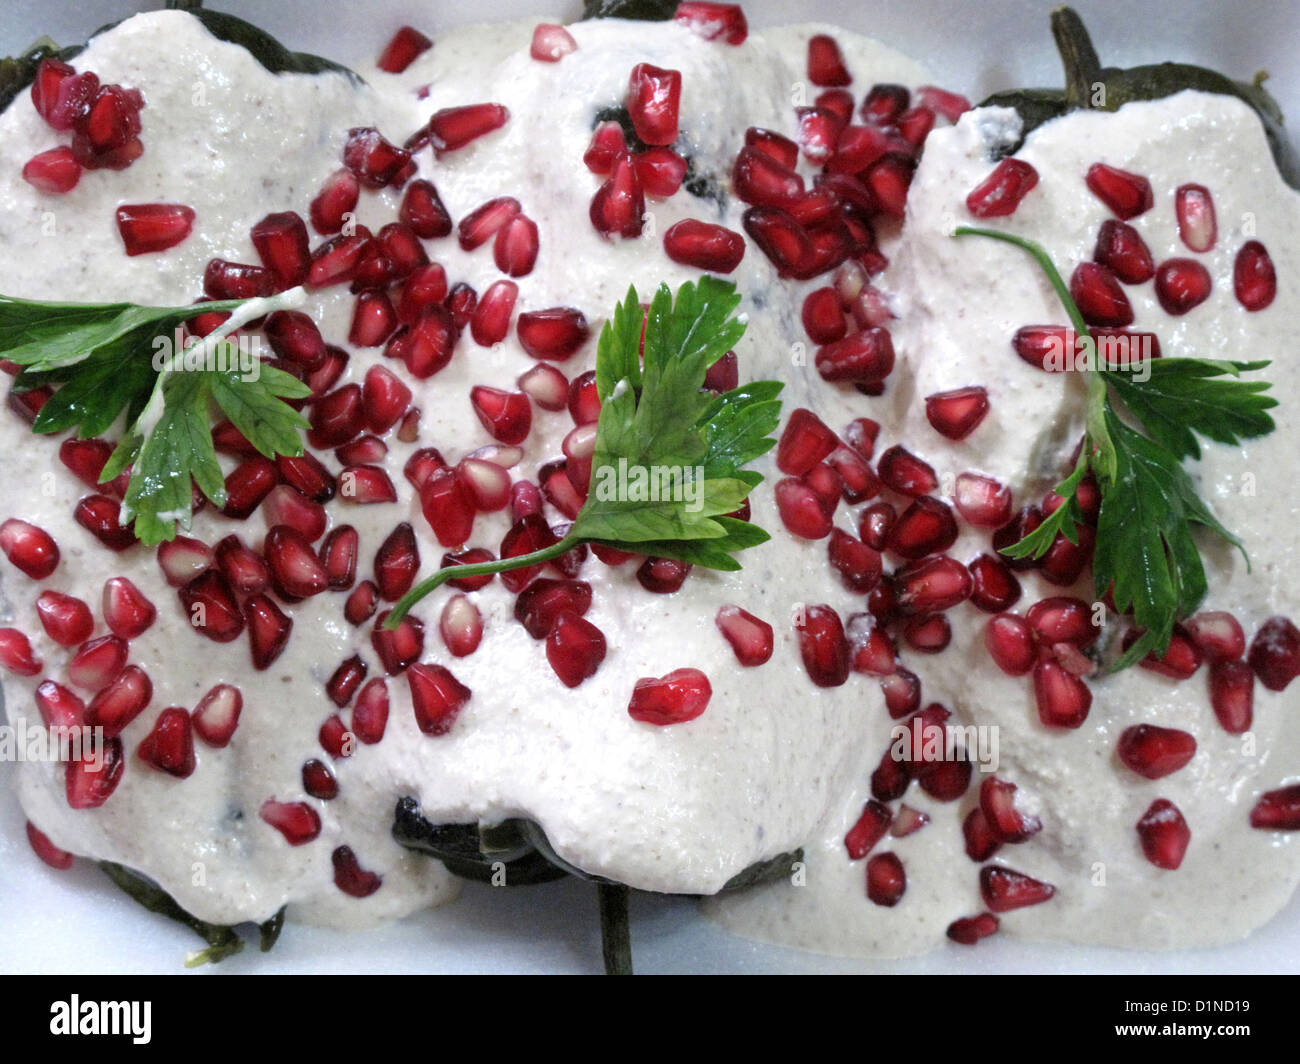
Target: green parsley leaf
point(101, 359)
point(667, 468)
point(1146, 552)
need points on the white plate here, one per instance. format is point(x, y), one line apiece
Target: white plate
point(77, 922)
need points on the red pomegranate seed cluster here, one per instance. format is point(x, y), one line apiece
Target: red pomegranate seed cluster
point(104, 121)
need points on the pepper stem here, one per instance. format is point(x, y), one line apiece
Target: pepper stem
point(615, 933)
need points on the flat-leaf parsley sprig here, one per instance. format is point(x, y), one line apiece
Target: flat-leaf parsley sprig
point(1146, 553)
point(100, 357)
point(656, 415)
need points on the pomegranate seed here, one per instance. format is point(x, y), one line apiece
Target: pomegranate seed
point(782, 239)
point(236, 280)
point(584, 399)
point(1253, 277)
point(1063, 699)
point(318, 781)
point(182, 559)
point(294, 336)
point(554, 334)
point(871, 650)
point(335, 203)
point(763, 174)
point(823, 646)
point(29, 548)
point(889, 178)
point(298, 822)
point(283, 246)
point(296, 571)
point(337, 260)
point(884, 103)
point(90, 783)
point(396, 563)
point(660, 172)
point(876, 524)
point(338, 555)
point(149, 227)
point(1155, 752)
point(1004, 889)
point(713, 22)
point(999, 194)
point(384, 398)
point(373, 320)
point(423, 210)
point(507, 416)
point(1180, 660)
point(805, 441)
point(968, 930)
point(861, 435)
point(487, 483)
point(704, 246)
point(925, 527)
point(545, 385)
point(1010, 643)
point(915, 124)
point(16, 653)
point(335, 739)
point(890, 779)
point(863, 357)
point(454, 127)
point(618, 207)
point(674, 698)
point(551, 43)
point(825, 63)
point(662, 576)
point(1046, 347)
point(819, 133)
point(97, 662)
point(436, 696)
point(607, 144)
point(1126, 194)
point(1062, 619)
point(248, 484)
point(366, 485)
point(929, 634)
point(1277, 810)
point(1100, 299)
point(858, 479)
point(1181, 285)
point(127, 612)
point(868, 830)
point(46, 850)
point(905, 473)
point(750, 637)
point(994, 586)
point(400, 52)
point(268, 630)
point(350, 877)
point(461, 626)
point(949, 104)
point(51, 75)
point(1218, 635)
point(1275, 653)
point(886, 880)
point(859, 566)
point(1232, 695)
point(981, 841)
point(375, 161)
point(998, 804)
point(982, 501)
point(932, 585)
point(426, 346)
point(515, 247)
point(539, 604)
point(59, 707)
point(361, 604)
point(908, 822)
point(120, 702)
point(485, 221)
point(448, 506)
point(66, 620)
point(98, 515)
point(308, 475)
point(1163, 834)
point(1197, 226)
point(409, 429)
point(345, 680)
point(956, 414)
point(217, 715)
point(801, 509)
point(652, 101)
point(1122, 250)
point(370, 714)
point(169, 746)
point(823, 320)
point(400, 646)
point(491, 321)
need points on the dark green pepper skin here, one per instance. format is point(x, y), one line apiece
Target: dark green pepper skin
point(1091, 86)
point(640, 10)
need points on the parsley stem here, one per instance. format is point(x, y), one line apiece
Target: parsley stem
point(1105, 461)
point(459, 572)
